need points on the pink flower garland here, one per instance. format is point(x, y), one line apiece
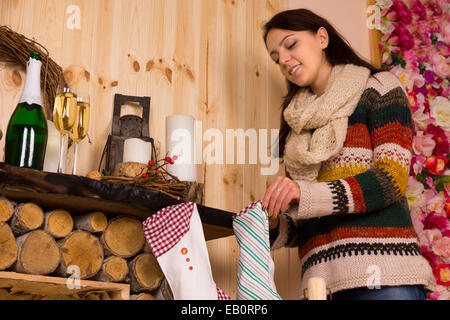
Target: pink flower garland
point(416, 48)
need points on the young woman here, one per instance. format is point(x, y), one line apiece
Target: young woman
point(346, 140)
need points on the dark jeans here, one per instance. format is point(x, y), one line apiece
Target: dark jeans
point(407, 292)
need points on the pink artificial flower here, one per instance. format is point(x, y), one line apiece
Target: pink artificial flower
point(403, 13)
point(417, 164)
point(427, 237)
point(428, 194)
point(419, 9)
point(445, 30)
point(430, 184)
point(442, 292)
point(432, 221)
point(405, 38)
point(429, 255)
point(434, 25)
point(385, 37)
point(435, 8)
point(411, 76)
point(436, 203)
point(421, 119)
point(423, 144)
point(439, 65)
point(447, 203)
point(420, 98)
point(389, 14)
point(415, 193)
point(442, 48)
point(442, 147)
point(441, 248)
point(436, 165)
point(409, 56)
point(422, 54)
point(416, 218)
point(393, 40)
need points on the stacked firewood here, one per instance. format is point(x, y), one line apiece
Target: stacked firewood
point(88, 246)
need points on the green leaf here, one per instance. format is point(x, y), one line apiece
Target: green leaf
point(421, 177)
point(397, 58)
point(434, 39)
point(422, 69)
point(441, 181)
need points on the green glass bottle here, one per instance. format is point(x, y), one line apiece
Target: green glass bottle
point(26, 136)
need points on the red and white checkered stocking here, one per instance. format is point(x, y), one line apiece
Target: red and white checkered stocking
point(175, 235)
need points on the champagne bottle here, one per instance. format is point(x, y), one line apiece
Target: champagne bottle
point(26, 136)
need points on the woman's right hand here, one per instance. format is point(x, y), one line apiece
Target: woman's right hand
point(278, 197)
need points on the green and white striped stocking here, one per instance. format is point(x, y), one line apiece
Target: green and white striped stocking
point(256, 267)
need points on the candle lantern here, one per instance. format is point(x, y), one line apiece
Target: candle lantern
point(128, 131)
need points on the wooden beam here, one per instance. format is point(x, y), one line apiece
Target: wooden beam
point(375, 37)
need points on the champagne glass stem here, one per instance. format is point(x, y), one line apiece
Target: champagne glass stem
point(75, 153)
point(61, 153)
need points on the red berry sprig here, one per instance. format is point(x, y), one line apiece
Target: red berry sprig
point(167, 159)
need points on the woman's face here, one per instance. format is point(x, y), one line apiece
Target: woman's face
point(300, 54)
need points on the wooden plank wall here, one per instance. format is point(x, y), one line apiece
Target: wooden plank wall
point(201, 57)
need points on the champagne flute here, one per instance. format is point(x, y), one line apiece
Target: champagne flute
point(64, 112)
point(81, 127)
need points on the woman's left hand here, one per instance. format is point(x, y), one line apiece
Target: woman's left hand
point(279, 195)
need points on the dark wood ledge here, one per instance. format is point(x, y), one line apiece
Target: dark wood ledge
point(79, 195)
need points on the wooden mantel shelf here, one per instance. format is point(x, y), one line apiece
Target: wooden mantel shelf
point(80, 195)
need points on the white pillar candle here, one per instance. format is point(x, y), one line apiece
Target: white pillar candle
point(137, 150)
point(317, 289)
point(180, 146)
point(53, 147)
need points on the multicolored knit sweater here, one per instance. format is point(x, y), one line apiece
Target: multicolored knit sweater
point(353, 227)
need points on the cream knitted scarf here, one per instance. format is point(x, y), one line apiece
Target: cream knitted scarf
point(319, 124)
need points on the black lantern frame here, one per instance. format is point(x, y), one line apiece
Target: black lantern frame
point(125, 127)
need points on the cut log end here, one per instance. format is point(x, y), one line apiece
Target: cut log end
point(83, 252)
point(93, 222)
point(114, 269)
point(98, 222)
point(58, 223)
point(145, 273)
point(6, 209)
point(27, 217)
point(124, 236)
point(8, 247)
point(38, 253)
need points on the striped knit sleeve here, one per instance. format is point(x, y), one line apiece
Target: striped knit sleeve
point(390, 127)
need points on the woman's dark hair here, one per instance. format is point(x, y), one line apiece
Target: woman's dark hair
point(338, 51)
